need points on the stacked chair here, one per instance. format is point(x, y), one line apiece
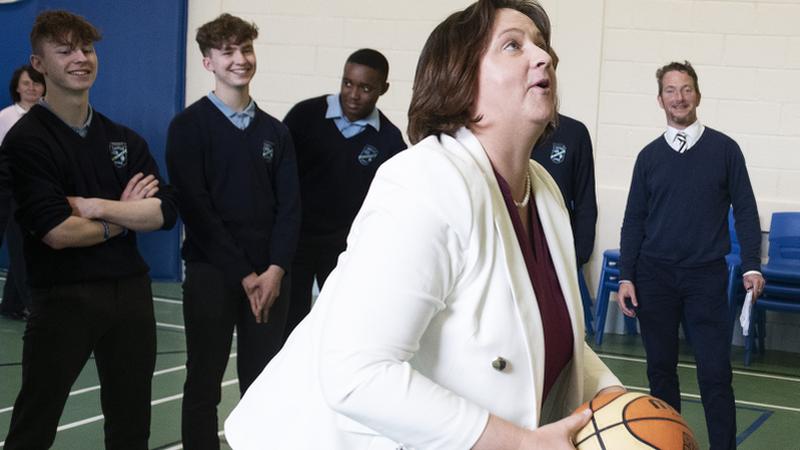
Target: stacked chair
point(586, 300)
point(609, 282)
point(782, 275)
point(736, 292)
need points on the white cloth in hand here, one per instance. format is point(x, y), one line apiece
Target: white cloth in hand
point(747, 307)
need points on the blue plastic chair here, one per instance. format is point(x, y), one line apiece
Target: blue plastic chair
point(783, 265)
point(609, 282)
point(782, 276)
point(736, 292)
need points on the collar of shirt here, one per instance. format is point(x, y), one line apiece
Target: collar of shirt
point(693, 133)
point(82, 130)
point(19, 109)
point(240, 120)
point(347, 128)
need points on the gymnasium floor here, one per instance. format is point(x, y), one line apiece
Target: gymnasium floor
point(768, 393)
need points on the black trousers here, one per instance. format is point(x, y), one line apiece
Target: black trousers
point(113, 319)
point(212, 306)
point(310, 261)
point(16, 294)
point(668, 294)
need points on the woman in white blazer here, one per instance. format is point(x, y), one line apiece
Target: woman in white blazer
point(429, 333)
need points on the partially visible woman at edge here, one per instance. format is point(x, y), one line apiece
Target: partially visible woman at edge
point(26, 88)
point(453, 320)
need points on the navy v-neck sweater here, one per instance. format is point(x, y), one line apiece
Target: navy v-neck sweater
point(237, 189)
point(567, 156)
point(49, 161)
point(335, 172)
point(677, 211)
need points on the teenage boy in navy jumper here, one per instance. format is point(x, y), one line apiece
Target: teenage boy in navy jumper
point(83, 185)
point(673, 246)
point(341, 140)
point(235, 170)
point(567, 156)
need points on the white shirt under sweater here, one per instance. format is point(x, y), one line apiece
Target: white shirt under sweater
point(8, 117)
point(693, 133)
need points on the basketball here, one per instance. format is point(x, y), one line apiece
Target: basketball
point(633, 420)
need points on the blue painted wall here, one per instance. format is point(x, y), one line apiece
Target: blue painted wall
point(140, 79)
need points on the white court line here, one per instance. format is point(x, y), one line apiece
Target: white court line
point(155, 402)
point(692, 366)
point(95, 388)
point(167, 300)
point(738, 402)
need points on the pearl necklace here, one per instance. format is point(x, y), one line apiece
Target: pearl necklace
point(526, 199)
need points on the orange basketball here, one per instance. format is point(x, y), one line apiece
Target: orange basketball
point(633, 420)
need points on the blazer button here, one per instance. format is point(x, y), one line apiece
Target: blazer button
point(499, 364)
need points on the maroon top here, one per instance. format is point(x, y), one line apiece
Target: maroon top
point(558, 338)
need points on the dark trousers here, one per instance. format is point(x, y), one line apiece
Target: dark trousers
point(310, 261)
point(115, 320)
point(16, 294)
point(698, 295)
point(212, 306)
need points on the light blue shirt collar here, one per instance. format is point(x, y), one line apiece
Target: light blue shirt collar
point(240, 120)
point(347, 128)
point(82, 130)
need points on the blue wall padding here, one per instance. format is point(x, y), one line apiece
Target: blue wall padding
point(140, 83)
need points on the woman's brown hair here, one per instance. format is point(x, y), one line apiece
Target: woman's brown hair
point(446, 81)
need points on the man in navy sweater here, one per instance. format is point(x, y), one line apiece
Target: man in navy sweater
point(341, 140)
point(673, 246)
point(84, 186)
point(235, 170)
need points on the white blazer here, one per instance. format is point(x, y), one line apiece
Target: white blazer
point(398, 350)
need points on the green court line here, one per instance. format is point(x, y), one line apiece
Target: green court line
point(693, 366)
point(738, 402)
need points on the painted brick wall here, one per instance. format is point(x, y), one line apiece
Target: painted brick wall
point(303, 45)
point(747, 54)
point(747, 57)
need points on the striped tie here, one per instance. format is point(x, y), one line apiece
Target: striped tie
point(680, 138)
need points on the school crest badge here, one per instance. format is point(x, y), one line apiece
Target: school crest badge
point(367, 155)
point(558, 153)
point(268, 151)
point(119, 153)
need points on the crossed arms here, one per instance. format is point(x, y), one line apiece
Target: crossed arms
point(136, 209)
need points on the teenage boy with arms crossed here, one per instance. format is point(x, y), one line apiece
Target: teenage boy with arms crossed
point(83, 185)
point(235, 170)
